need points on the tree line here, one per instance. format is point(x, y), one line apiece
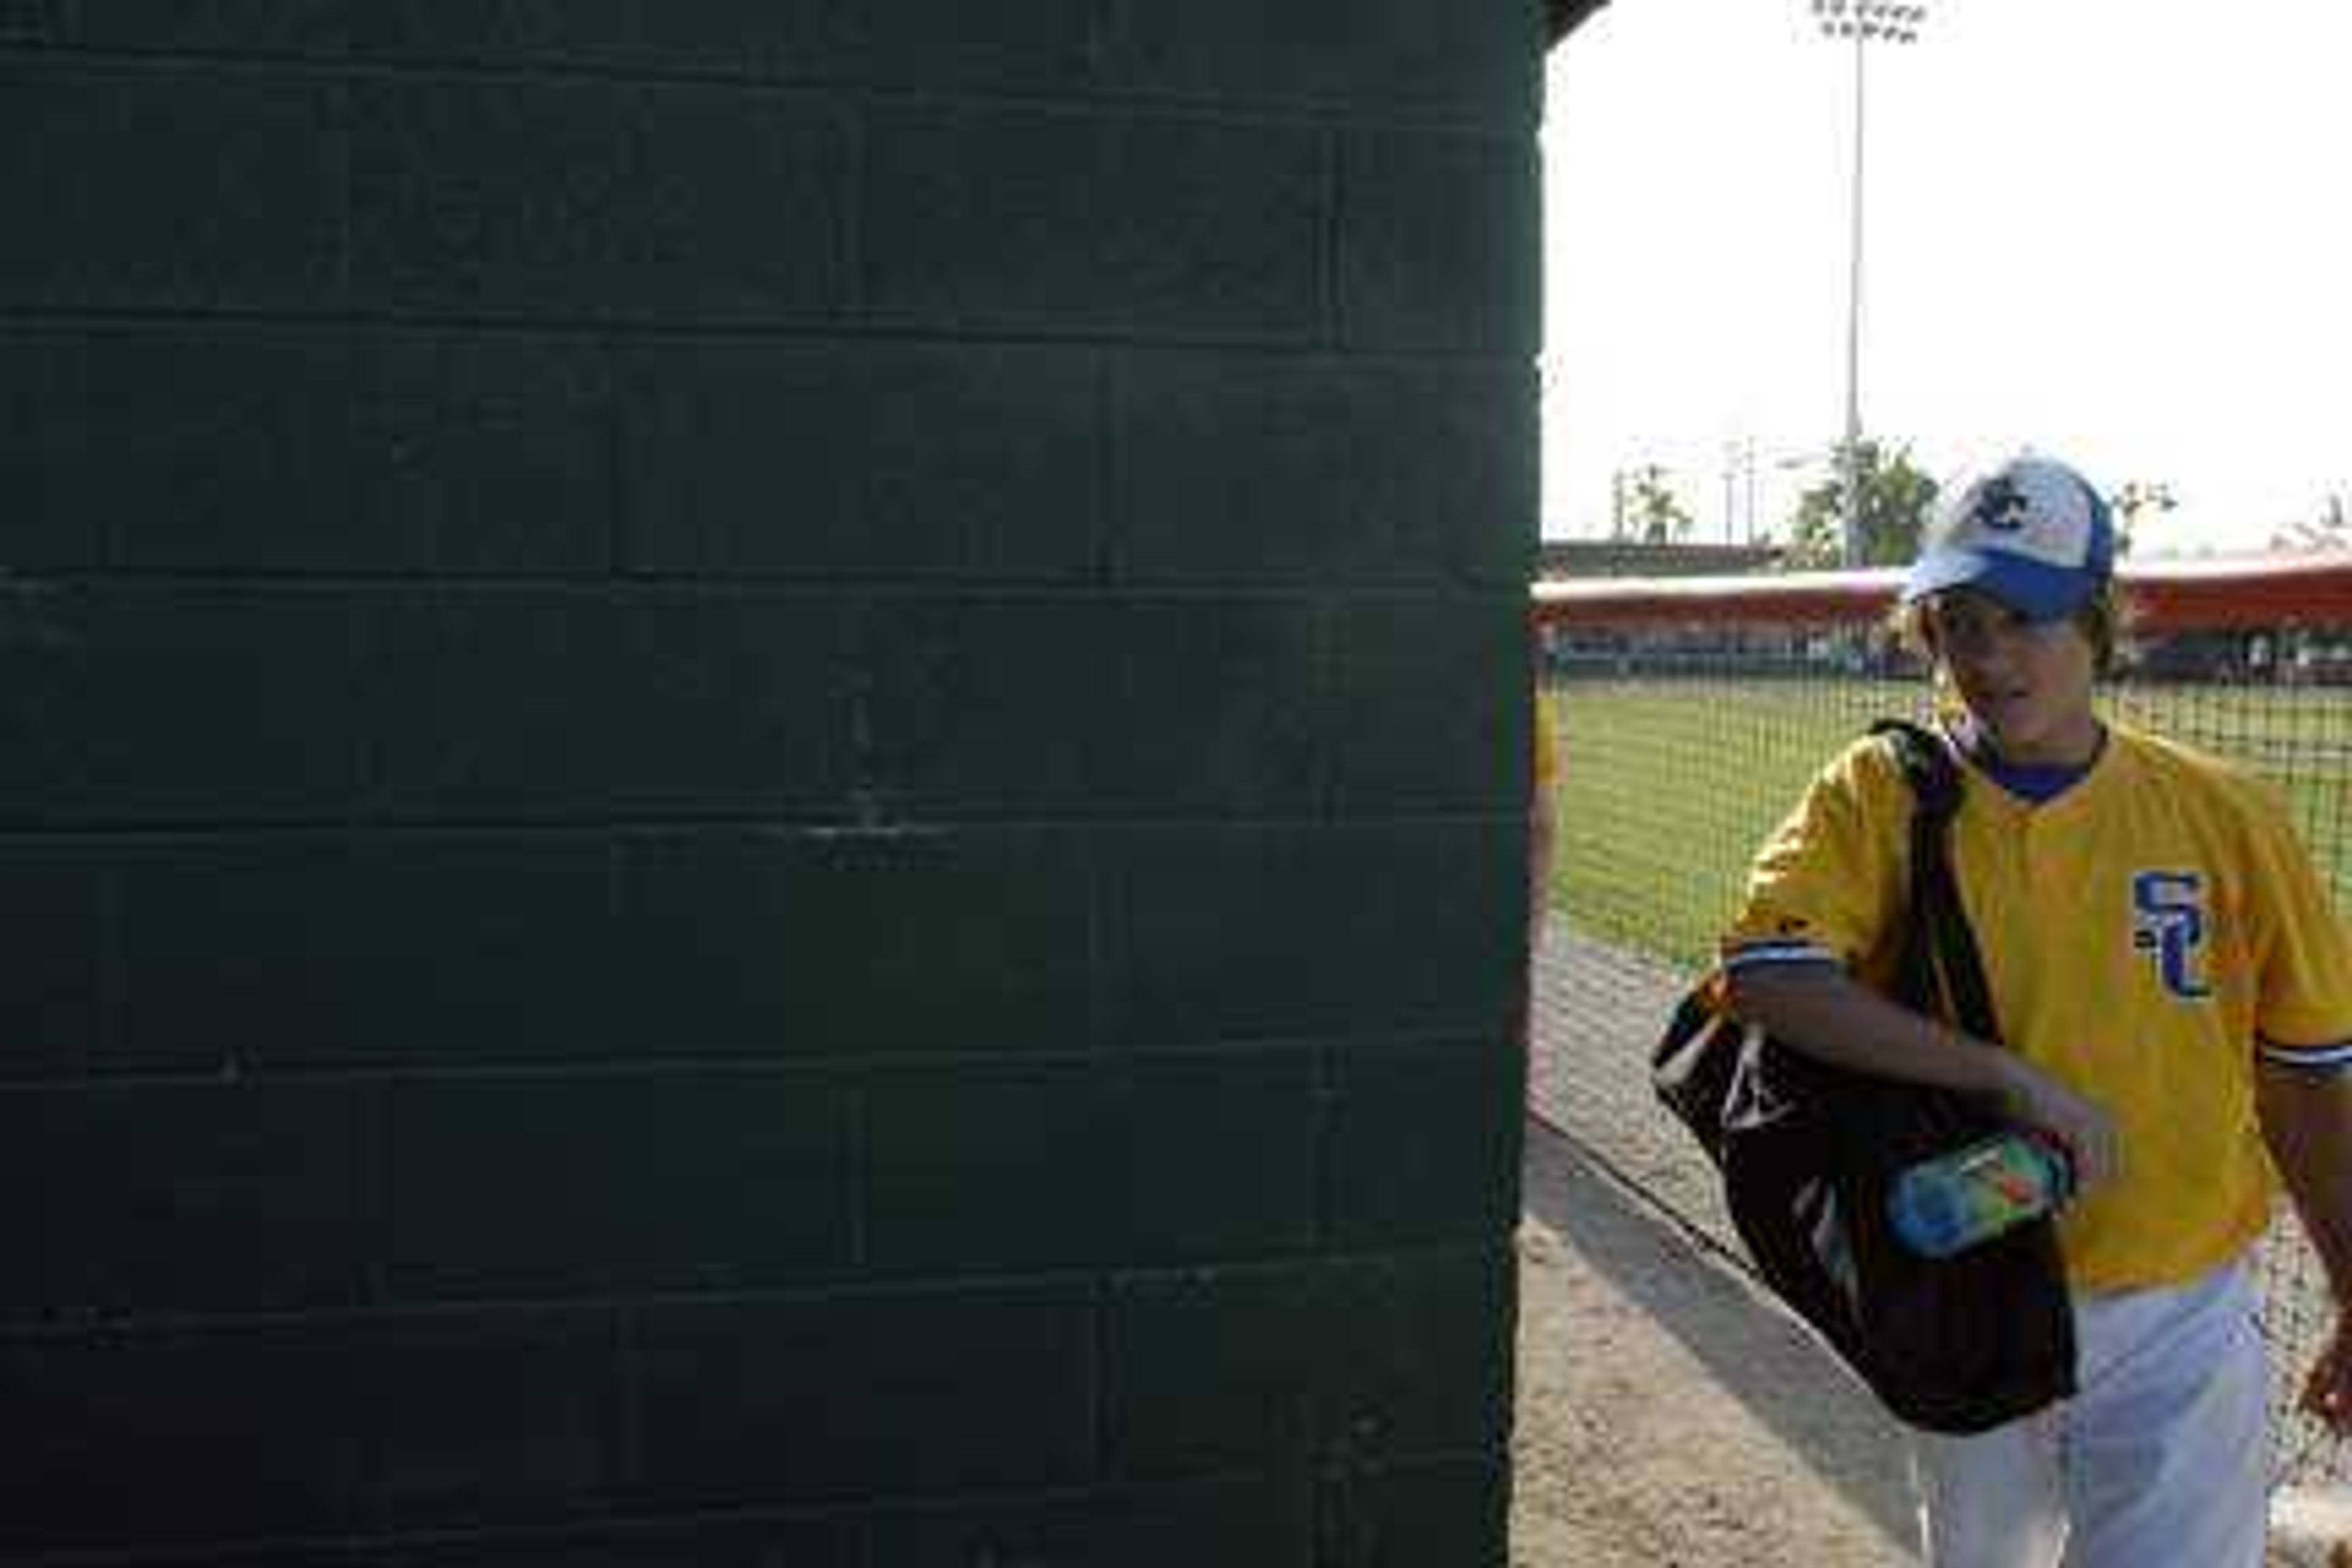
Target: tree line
point(1897, 497)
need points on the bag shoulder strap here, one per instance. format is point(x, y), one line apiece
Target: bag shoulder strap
point(1937, 786)
point(1928, 764)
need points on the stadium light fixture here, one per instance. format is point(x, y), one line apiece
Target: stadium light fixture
point(1863, 23)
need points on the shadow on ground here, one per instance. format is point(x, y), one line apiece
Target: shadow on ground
point(1755, 1352)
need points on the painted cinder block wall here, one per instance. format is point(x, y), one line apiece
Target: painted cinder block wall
point(760, 776)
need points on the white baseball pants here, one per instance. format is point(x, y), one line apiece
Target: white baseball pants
point(2160, 1460)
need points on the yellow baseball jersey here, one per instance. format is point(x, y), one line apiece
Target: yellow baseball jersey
point(2146, 935)
point(1547, 745)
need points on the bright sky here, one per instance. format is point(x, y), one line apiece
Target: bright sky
point(2120, 231)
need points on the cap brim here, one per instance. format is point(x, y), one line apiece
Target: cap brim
point(2034, 589)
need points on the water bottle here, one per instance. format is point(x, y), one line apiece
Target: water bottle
point(1954, 1201)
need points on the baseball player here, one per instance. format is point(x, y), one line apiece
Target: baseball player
point(1543, 816)
point(2175, 995)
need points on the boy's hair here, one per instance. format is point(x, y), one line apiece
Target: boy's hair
point(2104, 620)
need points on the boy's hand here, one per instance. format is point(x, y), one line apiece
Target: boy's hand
point(2079, 1126)
point(2327, 1391)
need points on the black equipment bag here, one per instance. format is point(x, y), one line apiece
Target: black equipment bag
point(1808, 1152)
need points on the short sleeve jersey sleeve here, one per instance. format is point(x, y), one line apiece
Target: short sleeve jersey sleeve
point(1825, 884)
point(1547, 745)
point(2302, 950)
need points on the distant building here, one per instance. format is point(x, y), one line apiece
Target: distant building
point(1698, 646)
point(1631, 558)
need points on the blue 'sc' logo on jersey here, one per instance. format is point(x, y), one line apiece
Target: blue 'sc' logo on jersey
point(2169, 925)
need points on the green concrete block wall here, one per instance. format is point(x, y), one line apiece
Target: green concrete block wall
point(762, 772)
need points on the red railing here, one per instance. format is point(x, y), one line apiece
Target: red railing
point(2222, 594)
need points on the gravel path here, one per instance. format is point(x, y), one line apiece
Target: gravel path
point(1670, 1415)
point(1669, 1412)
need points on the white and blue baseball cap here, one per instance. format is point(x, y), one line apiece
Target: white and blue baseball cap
point(2031, 532)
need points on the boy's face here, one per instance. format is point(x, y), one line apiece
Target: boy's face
point(2027, 682)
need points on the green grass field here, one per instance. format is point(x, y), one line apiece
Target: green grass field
point(1668, 784)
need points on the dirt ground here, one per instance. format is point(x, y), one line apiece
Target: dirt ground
point(1669, 1415)
point(1672, 1416)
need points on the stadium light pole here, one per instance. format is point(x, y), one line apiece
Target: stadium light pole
point(1864, 22)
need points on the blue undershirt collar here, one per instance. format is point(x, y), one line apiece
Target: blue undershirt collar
point(2035, 782)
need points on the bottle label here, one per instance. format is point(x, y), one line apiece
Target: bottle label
point(1951, 1202)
